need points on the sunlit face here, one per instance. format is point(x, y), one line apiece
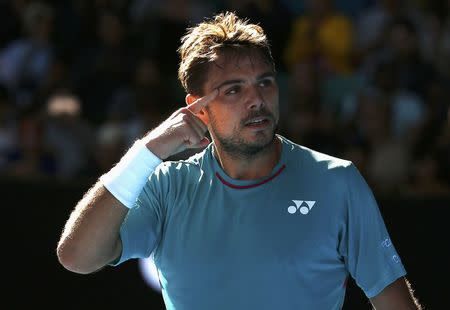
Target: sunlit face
point(243, 117)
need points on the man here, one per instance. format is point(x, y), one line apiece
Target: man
point(254, 221)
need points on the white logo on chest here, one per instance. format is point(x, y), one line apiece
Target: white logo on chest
point(304, 206)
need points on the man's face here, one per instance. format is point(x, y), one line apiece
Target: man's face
point(243, 117)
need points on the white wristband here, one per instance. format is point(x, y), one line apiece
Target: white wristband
point(126, 180)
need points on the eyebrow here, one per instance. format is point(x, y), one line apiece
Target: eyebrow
point(240, 81)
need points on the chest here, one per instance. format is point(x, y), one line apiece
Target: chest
point(284, 224)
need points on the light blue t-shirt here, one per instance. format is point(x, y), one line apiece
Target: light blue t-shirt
point(288, 241)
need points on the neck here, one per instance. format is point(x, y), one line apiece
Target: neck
point(256, 166)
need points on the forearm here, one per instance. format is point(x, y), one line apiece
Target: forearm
point(397, 296)
point(90, 239)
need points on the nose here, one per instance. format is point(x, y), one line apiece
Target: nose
point(255, 99)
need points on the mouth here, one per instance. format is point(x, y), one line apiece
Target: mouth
point(258, 122)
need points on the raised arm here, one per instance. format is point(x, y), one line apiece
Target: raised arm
point(91, 236)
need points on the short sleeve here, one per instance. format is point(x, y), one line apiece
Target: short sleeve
point(365, 244)
point(142, 226)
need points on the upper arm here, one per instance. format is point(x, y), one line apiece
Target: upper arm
point(142, 227)
point(365, 245)
point(398, 295)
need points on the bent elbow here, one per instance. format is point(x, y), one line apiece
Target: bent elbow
point(72, 261)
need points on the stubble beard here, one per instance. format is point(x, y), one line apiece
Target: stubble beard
point(237, 147)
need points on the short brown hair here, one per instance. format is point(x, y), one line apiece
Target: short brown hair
point(201, 44)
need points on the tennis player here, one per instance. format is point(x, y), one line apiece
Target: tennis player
point(253, 220)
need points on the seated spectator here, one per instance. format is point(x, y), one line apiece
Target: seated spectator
point(388, 157)
point(25, 61)
point(101, 68)
point(322, 36)
point(274, 16)
point(306, 119)
point(372, 23)
point(408, 111)
point(30, 158)
point(110, 143)
point(67, 134)
point(143, 103)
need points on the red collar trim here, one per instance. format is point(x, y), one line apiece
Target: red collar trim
point(251, 185)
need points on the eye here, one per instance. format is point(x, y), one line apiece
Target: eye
point(265, 82)
point(233, 90)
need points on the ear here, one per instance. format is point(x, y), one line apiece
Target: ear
point(203, 114)
point(190, 99)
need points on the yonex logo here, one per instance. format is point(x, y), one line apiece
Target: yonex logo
point(304, 206)
point(386, 243)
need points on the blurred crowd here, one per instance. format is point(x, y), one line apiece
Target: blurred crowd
point(364, 80)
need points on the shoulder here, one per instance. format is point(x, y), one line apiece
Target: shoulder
point(327, 161)
point(173, 178)
point(189, 166)
point(319, 168)
point(312, 159)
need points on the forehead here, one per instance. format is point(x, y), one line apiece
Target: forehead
point(236, 65)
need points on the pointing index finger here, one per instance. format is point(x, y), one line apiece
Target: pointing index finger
point(202, 102)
